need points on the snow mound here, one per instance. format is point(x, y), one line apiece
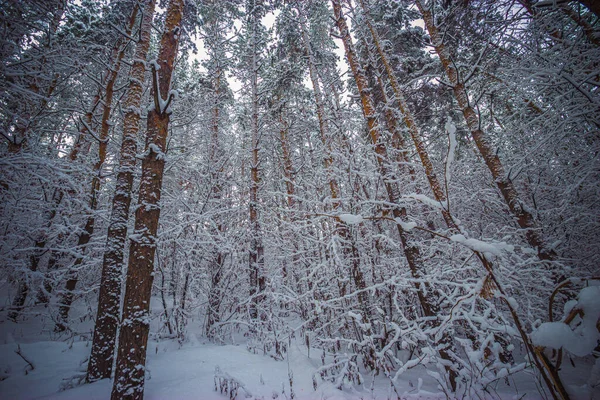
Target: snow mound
point(581, 340)
point(351, 219)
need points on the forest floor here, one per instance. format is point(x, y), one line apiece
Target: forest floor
point(187, 370)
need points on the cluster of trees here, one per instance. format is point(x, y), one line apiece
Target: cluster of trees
point(433, 204)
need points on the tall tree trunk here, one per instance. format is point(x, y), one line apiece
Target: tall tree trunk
point(350, 250)
point(18, 140)
point(323, 126)
point(105, 330)
point(411, 251)
point(288, 175)
point(288, 168)
point(133, 338)
point(256, 255)
point(216, 269)
point(524, 218)
point(67, 297)
point(413, 129)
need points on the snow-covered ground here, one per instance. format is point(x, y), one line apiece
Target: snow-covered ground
point(187, 370)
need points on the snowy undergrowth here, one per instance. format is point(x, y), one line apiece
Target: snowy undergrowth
point(49, 366)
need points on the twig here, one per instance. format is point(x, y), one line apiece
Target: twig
point(20, 353)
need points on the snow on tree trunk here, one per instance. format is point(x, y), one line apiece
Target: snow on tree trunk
point(524, 218)
point(105, 330)
point(256, 253)
point(133, 337)
point(66, 298)
point(437, 189)
point(341, 229)
point(411, 251)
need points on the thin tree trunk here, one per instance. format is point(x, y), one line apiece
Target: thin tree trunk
point(213, 315)
point(72, 276)
point(343, 231)
point(105, 330)
point(133, 338)
point(411, 251)
point(256, 256)
point(588, 29)
point(23, 288)
point(34, 261)
point(524, 218)
point(413, 129)
point(288, 168)
point(323, 126)
point(288, 174)
point(14, 146)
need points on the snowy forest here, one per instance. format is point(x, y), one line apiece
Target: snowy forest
point(300, 199)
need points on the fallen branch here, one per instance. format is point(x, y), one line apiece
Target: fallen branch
point(30, 366)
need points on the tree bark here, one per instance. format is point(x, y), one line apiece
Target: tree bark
point(411, 251)
point(349, 248)
point(32, 109)
point(413, 129)
point(105, 330)
point(256, 254)
point(133, 338)
point(15, 145)
point(213, 315)
point(34, 261)
point(288, 168)
point(524, 218)
point(67, 296)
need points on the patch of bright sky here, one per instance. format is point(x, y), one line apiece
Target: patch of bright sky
point(268, 21)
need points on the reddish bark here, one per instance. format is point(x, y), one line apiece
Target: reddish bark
point(67, 296)
point(518, 208)
point(133, 338)
point(287, 162)
point(214, 295)
point(437, 189)
point(411, 251)
point(105, 330)
point(342, 230)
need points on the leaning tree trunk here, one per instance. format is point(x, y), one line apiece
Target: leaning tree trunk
point(105, 330)
point(437, 189)
point(67, 297)
point(349, 247)
point(411, 251)
point(414, 130)
point(133, 337)
point(524, 218)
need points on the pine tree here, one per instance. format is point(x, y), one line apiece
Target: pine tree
point(105, 331)
point(133, 337)
point(411, 251)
